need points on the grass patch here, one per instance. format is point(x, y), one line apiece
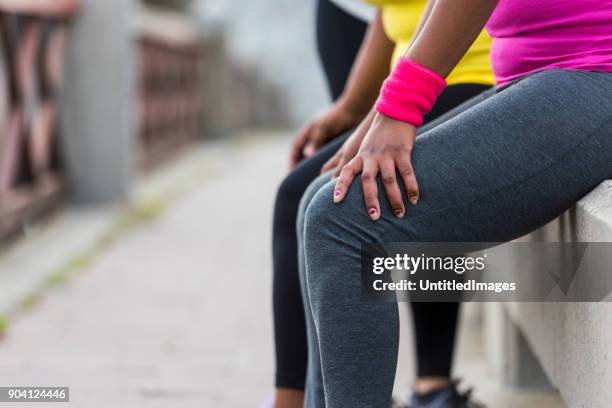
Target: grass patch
point(31, 299)
point(56, 279)
point(62, 274)
point(139, 214)
point(128, 219)
point(4, 325)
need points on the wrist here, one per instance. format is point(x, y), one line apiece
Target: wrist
point(383, 120)
point(353, 111)
point(410, 92)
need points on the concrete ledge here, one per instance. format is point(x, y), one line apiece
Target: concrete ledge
point(569, 344)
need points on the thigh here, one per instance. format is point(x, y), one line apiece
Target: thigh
point(454, 96)
point(503, 167)
point(458, 108)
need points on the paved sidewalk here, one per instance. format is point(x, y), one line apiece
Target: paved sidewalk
point(177, 313)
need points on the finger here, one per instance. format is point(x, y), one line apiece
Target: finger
point(298, 144)
point(331, 163)
point(341, 163)
point(389, 180)
point(319, 137)
point(406, 171)
point(370, 188)
point(346, 177)
point(315, 140)
point(308, 150)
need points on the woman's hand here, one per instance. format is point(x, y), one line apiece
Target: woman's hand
point(386, 149)
point(350, 147)
point(348, 150)
point(337, 119)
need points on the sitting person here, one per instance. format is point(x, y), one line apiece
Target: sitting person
point(491, 170)
point(387, 37)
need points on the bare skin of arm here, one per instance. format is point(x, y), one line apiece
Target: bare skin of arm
point(350, 148)
point(370, 69)
point(448, 32)
point(423, 20)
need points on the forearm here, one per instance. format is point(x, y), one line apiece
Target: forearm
point(370, 69)
point(448, 32)
point(422, 21)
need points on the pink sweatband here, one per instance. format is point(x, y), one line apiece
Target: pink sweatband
point(409, 92)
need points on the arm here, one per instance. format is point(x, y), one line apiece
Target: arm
point(370, 69)
point(448, 32)
point(423, 20)
point(351, 146)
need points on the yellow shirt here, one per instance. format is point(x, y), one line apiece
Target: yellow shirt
point(400, 19)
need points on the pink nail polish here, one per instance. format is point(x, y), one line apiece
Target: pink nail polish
point(337, 193)
point(372, 211)
point(414, 199)
point(398, 213)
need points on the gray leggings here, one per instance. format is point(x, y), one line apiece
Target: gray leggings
point(492, 170)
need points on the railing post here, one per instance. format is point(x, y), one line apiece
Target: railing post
point(98, 109)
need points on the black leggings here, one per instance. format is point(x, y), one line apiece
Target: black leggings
point(339, 37)
point(434, 323)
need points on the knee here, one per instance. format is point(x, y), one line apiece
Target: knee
point(329, 227)
point(309, 194)
point(319, 212)
point(332, 239)
point(326, 223)
point(319, 243)
point(347, 220)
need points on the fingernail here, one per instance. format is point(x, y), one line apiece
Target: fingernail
point(398, 213)
point(373, 212)
point(414, 200)
point(337, 195)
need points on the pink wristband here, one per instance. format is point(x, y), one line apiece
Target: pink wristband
point(410, 92)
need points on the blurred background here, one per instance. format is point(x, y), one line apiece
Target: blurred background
point(141, 144)
point(137, 81)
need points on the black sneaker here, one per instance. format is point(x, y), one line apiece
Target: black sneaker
point(447, 397)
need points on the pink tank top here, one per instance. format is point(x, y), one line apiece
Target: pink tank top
point(534, 35)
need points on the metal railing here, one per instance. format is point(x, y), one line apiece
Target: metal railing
point(170, 85)
point(32, 41)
